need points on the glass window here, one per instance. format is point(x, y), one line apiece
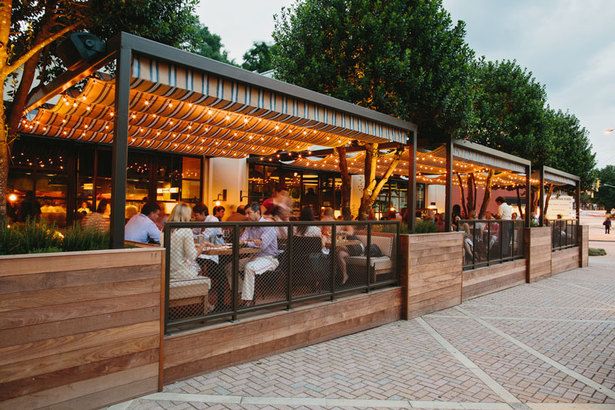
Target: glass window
point(191, 179)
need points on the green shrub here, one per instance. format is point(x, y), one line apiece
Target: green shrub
point(40, 237)
point(596, 252)
point(80, 239)
point(425, 227)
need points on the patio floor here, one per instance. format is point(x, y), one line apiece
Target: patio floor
point(533, 346)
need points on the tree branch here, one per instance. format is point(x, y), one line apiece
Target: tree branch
point(36, 48)
point(387, 175)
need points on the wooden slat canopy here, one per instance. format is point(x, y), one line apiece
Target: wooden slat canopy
point(210, 109)
point(430, 167)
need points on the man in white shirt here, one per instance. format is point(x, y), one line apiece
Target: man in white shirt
point(506, 228)
point(504, 210)
point(142, 227)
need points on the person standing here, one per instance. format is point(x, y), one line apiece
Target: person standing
point(30, 208)
point(505, 214)
point(607, 225)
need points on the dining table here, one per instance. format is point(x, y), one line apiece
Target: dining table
point(221, 250)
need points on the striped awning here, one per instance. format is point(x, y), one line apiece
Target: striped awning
point(190, 111)
point(430, 167)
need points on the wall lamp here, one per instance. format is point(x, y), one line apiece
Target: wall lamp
point(221, 197)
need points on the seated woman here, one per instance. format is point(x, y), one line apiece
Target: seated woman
point(307, 214)
point(468, 244)
point(183, 249)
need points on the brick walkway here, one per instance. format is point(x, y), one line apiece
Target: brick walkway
point(533, 346)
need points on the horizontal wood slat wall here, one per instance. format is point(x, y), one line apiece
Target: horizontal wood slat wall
point(538, 253)
point(79, 329)
point(227, 344)
point(564, 260)
point(431, 272)
point(491, 279)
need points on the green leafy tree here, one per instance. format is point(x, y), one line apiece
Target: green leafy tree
point(404, 58)
point(259, 57)
point(203, 42)
point(606, 194)
point(511, 115)
point(509, 111)
point(571, 150)
point(31, 29)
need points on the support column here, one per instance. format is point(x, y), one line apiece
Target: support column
point(541, 193)
point(120, 146)
point(528, 196)
point(411, 193)
point(577, 198)
point(448, 200)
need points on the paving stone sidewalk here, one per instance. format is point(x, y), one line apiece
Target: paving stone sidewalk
point(546, 345)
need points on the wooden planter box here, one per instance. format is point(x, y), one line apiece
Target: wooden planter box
point(79, 329)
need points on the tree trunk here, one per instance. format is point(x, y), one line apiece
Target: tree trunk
point(519, 203)
point(463, 196)
point(535, 192)
point(369, 172)
point(4, 156)
point(5, 28)
point(345, 176)
point(475, 200)
point(483, 207)
point(8, 127)
point(547, 198)
point(472, 205)
point(387, 175)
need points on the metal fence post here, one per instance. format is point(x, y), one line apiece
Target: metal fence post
point(289, 268)
point(333, 259)
point(235, 272)
point(368, 250)
point(167, 276)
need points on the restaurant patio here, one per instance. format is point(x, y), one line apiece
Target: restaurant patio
point(101, 326)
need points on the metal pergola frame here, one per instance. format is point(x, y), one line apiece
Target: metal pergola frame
point(548, 174)
point(130, 45)
point(471, 151)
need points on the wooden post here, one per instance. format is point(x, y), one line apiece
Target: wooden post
point(541, 196)
point(528, 196)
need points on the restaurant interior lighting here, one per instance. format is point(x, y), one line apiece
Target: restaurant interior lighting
point(12, 198)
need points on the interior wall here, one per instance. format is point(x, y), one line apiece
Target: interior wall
point(436, 193)
point(357, 183)
point(226, 173)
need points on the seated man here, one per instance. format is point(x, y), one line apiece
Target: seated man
point(265, 260)
point(142, 227)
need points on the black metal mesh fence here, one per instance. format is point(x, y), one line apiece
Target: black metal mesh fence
point(219, 271)
point(488, 242)
point(564, 233)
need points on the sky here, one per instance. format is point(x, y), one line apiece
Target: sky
point(569, 45)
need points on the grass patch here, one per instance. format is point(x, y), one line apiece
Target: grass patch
point(596, 252)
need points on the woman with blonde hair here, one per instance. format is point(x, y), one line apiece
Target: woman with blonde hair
point(183, 249)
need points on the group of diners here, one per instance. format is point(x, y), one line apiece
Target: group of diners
point(493, 234)
point(205, 253)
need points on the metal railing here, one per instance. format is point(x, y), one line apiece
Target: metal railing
point(564, 233)
point(488, 242)
point(226, 270)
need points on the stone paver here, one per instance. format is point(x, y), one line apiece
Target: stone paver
point(532, 346)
